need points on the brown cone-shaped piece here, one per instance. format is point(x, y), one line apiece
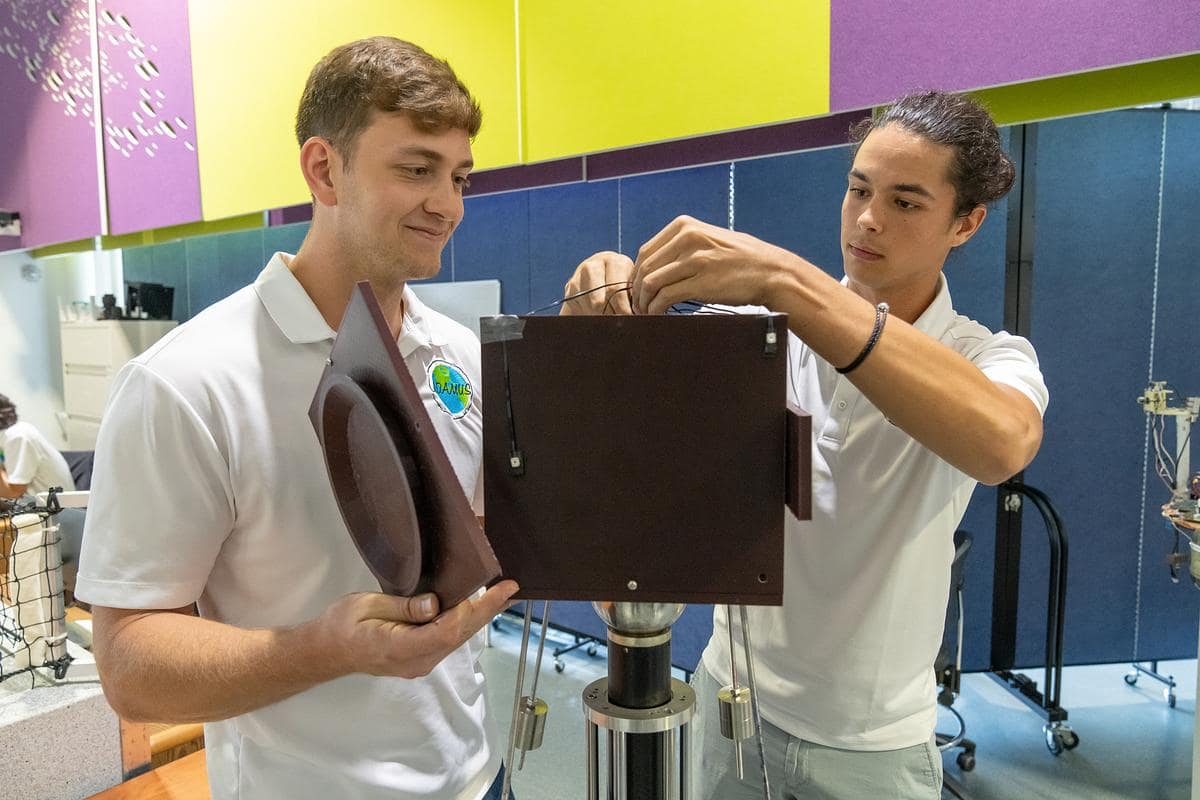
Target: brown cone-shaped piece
point(398, 494)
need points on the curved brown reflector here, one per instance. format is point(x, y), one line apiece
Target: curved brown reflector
point(371, 467)
point(398, 493)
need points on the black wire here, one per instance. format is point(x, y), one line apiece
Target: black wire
point(698, 308)
point(608, 303)
point(577, 295)
point(516, 459)
point(696, 305)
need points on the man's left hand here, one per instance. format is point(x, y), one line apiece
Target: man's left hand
point(692, 260)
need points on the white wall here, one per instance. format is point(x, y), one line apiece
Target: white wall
point(30, 355)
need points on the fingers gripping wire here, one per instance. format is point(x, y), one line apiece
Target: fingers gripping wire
point(623, 284)
point(682, 307)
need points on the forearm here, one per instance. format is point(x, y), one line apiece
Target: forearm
point(931, 392)
point(170, 667)
point(7, 490)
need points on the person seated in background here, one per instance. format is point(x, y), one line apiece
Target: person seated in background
point(29, 463)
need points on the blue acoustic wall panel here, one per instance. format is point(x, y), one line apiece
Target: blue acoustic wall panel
point(220, 264)
point(1167, 612)
point(1097, 197)
point(795, 202)
point(493, 242)
point(159, 263)
point(649, 202)
point(1092, 296)
point(284, 238)
point(566, 225)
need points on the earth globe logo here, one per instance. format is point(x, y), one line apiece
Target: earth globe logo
point(451, 388)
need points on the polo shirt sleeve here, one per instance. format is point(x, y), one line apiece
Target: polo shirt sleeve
point(1011, 360)
point(21, 458)
point(161, 504)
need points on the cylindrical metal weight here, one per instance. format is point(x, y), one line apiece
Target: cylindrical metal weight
point(531, 724)
point(737, 718)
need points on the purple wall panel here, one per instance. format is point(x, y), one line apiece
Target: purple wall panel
point(879, 51)
point(153, 176)
point(48, 168)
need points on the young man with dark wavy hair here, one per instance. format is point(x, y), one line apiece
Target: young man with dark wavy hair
point(913, 404)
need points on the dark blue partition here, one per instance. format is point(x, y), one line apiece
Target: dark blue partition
point(795, 201)
point(1098, 180)
point(1167, 612)
point(649, 202)
point(493, 242)
point(566, 225)
point(1093, 296)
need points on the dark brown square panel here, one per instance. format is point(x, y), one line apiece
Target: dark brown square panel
point(641, 458)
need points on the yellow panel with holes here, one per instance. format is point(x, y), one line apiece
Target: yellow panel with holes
point(250, 62)
point(598, 76)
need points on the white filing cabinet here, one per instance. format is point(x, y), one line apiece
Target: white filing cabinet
point(92, 354)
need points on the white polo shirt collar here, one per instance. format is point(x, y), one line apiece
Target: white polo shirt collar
point(297, 317)
point(418, 329)
point(289, 305)
point(939, 315)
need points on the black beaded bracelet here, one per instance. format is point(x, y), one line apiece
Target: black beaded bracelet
point(881, 312)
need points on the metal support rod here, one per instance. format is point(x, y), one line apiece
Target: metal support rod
point(758, 728)
point(591, 736)
point(685, 762)
point(670, 777)
point(619, 791)
point(611, 751)
point(512, 728)
point(537, 666)
point(737, 744)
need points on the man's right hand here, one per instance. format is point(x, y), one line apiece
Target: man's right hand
point(404, 637)
point(611, 270)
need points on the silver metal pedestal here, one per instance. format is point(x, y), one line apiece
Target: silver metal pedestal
point(647, 745)
point(671, 719)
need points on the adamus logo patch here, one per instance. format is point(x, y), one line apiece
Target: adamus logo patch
point(451, 388)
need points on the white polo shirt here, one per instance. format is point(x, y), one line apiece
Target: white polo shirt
point(30, 459)
point(847, 661)
point(210, 486)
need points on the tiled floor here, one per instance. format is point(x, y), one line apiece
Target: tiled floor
point(1131, 744)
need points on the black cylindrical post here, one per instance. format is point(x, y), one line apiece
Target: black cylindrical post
point(640, 677)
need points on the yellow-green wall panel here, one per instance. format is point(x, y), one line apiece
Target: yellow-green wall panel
point(250, 61)
point(598, 76)
point(1119, 87)
point(154, 235)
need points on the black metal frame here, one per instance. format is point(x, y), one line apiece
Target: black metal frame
point(1047, 704)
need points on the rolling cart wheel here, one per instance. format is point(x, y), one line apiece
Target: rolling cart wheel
point(591, 649)
point(1054, 742)
point(1131, 678)
point(60, 672)
point(1070, 739)
point(1170, 699)
point(559, 665)
point(965, 761)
